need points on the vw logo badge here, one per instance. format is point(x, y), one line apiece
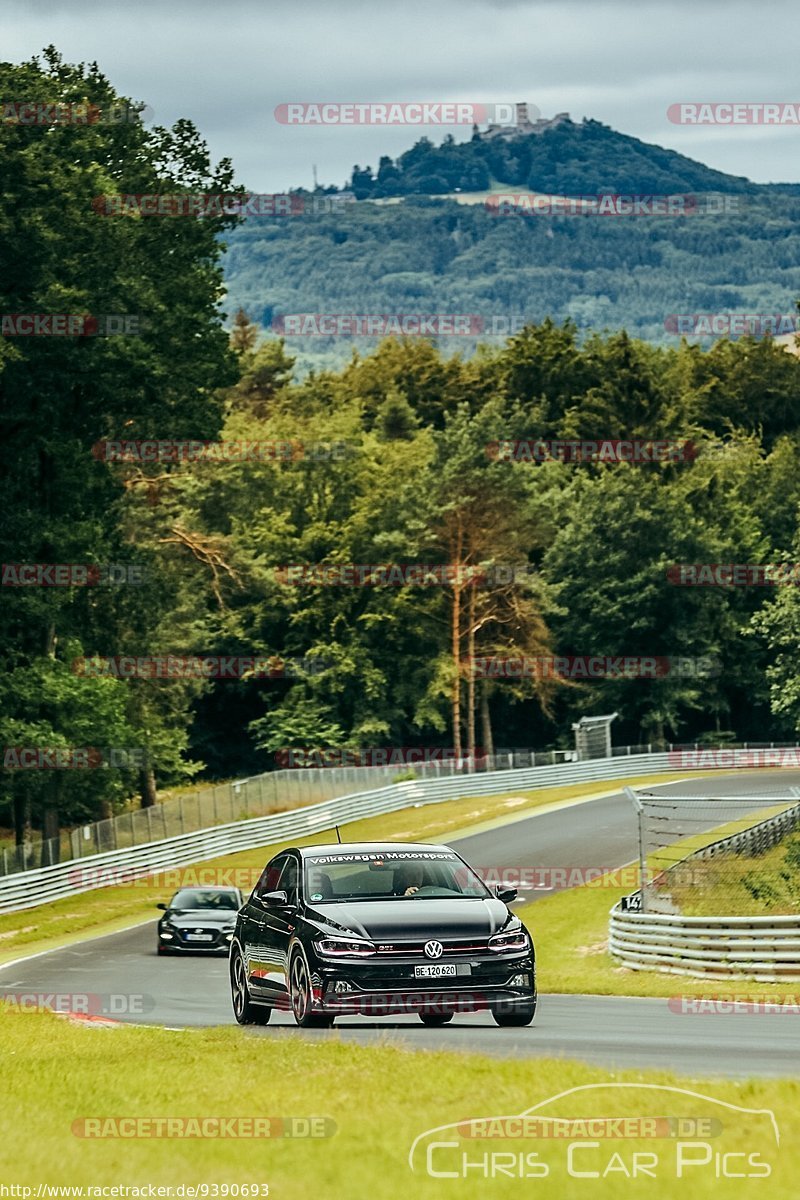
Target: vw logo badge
point(434, 949)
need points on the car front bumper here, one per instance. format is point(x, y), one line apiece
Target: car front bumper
point(487, 984)
point(178, 941)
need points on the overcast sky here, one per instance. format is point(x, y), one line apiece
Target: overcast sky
point(227, 66)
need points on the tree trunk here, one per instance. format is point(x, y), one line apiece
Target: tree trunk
point(456, 649)
point(471, 675)
point(51, 834)
point(455, 633)
point(147, 787)
point(23, 831)
point(486, 720)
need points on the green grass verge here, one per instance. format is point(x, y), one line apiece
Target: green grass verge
point(109, 909)
point(743, 885)
point(381, 1098)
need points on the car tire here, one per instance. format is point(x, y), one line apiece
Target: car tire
point(515, 1014)
point(244, 1010)
point(436, 1018)
point(161, 949)
point(300, 996)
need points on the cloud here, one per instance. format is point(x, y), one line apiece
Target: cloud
point(228, 67)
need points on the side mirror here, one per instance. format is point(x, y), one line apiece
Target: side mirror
point(506, 894)
point(164, 906)
point(273, 899)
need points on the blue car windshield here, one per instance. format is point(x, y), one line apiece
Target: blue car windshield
point(190, 898)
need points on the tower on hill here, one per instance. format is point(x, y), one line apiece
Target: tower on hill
point(523, 124)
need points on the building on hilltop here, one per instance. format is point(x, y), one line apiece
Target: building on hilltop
point(523, 125)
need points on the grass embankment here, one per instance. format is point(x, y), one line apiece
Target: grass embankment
point(381, 1099)
point(108, 909)
point(571, 928)
point(743, 885)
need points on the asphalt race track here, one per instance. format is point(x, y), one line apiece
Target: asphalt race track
point(181, 992)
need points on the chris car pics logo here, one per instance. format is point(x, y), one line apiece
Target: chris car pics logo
point(617, 1132)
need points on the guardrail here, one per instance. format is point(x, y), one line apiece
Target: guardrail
point(279, 791)
point(241, 799)
point(45, 884)
point(766, 949)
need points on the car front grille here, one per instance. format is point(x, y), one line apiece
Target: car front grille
point(451, 947)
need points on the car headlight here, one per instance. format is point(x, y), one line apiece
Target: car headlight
point(509, 943)
point(343, 948)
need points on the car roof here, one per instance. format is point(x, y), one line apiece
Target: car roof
point(366, 848)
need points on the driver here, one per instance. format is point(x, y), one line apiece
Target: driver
point(409, 879)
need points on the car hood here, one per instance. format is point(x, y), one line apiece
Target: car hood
point(200, 916)
point(410, 919)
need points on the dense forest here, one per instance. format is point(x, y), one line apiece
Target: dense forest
point(735, 250)
point(569, 158)
point(392, 459)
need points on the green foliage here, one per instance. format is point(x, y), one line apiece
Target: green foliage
point(390, 459)
point(568, 158)
point(736, 250)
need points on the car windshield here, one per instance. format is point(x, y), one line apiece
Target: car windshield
point(393, 875)
point(188, 898)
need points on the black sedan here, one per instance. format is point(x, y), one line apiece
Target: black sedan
point(378, 929)
point(199, 918)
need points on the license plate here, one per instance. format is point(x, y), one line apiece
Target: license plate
point(435, 970)
point(199, 937)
